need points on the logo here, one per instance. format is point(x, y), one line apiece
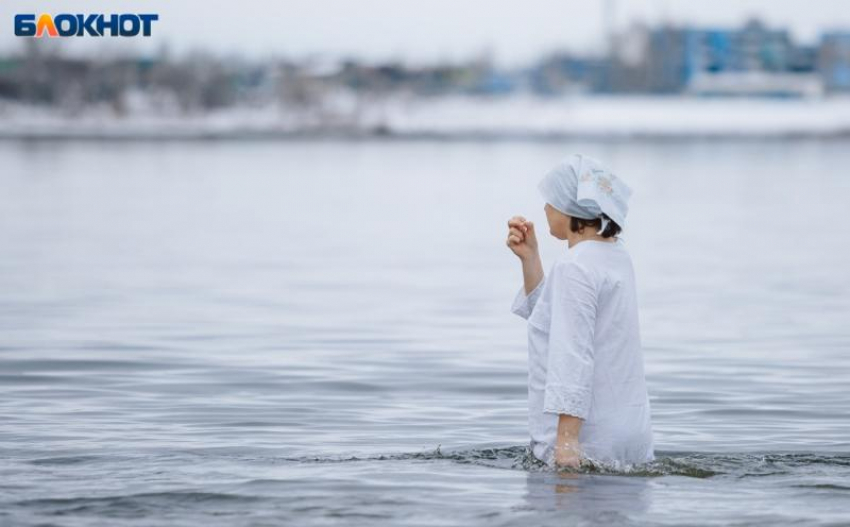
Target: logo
point(97, 25)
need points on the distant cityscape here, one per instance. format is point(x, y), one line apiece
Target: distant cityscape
point(751, 60)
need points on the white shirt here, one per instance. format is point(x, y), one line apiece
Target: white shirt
point(585, 357)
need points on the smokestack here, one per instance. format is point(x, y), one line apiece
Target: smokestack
point(610, 21)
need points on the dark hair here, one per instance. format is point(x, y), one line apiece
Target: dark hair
point(576, 224)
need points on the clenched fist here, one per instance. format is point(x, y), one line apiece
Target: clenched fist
point(521, 237)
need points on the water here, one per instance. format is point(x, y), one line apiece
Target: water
point(318, 333)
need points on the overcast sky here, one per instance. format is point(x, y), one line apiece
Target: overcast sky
point(414, 30)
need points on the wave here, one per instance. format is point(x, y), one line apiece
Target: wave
point(519, 457)
point(688, 464)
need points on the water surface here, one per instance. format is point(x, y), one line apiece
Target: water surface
point(319, 333)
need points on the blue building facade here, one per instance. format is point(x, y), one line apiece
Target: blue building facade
point(834, 61)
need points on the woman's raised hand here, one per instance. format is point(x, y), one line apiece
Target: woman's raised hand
point(521, 238)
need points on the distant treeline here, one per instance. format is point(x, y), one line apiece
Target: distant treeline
point(663, 60)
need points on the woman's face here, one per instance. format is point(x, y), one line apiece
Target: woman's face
point(559, 223)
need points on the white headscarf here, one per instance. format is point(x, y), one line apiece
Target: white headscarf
point(581, 186)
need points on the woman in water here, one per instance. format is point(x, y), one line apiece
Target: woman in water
point(587, 396)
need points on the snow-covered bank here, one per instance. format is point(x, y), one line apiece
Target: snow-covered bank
point(458, 117)
point(610, 116)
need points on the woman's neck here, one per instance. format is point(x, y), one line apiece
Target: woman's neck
point(595, 237)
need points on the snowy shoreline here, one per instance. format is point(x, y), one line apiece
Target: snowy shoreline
point(455, 118)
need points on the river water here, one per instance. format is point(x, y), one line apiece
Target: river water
point(319, 333)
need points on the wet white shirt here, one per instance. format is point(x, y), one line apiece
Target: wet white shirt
point(585, 357)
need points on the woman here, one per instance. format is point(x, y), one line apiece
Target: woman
point(587, 396)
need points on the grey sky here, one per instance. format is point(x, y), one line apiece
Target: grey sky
point(515, 31)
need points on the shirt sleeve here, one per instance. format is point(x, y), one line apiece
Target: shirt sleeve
point(523, 304)
point(569, 372)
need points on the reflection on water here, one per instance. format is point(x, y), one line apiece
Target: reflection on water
point(593, 498)
point(229, 333)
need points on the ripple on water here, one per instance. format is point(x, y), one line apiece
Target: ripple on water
point(688, 464)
